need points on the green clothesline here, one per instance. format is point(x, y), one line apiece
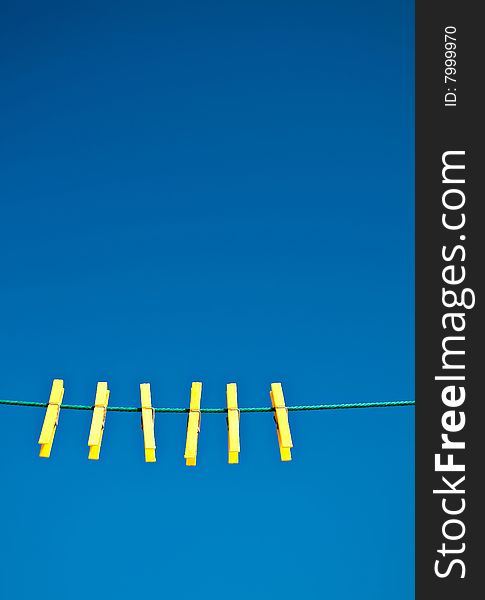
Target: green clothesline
point(217, 410)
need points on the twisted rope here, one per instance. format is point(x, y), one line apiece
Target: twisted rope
point(217, 410)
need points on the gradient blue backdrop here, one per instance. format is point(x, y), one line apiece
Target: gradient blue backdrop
point(215, 191)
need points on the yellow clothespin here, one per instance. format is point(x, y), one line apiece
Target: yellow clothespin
point(233, 423)
point(51, 418)
point(193, 425)
point(281, 419)
point(99, 418)
point(148, 422)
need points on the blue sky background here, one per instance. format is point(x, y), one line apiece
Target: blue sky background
point(214, 191)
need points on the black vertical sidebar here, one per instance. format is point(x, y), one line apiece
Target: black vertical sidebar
point(450, 250)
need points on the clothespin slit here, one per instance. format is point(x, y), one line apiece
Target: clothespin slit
point(51, 418)
point(148, 422)
point(281, 419)
point(233, 417)
point(193, 425)
point(98, 420)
